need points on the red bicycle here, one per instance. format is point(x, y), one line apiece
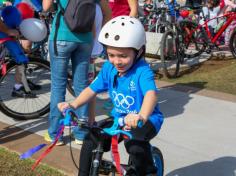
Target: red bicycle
point(200, 38)
point(190, 39)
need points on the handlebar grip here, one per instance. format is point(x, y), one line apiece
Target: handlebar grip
point(140, 123)
point(121, 122)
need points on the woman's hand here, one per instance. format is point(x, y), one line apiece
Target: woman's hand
point(131, 120)
point(63, 105)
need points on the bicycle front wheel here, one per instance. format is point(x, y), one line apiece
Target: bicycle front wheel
point(158, 161)
point(169, 51)
point(22, 108)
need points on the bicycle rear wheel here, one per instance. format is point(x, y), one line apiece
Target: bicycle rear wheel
point(232, 44)
point(169, 51)
point(22, 108)
point(158, 161)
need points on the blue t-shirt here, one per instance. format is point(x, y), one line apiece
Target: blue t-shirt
point(171, 7)
point(127, 92)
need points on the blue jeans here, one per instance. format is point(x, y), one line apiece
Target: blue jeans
point(79, 53)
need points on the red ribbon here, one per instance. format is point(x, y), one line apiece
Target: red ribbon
point(116, 155)
point(48, 150)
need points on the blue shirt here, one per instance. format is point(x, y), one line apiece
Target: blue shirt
point(128, 92)
point(171, 7)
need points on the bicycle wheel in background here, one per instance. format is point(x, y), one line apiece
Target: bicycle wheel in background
point(170, 54)
point(232, 44)
point(158, 161)
point(22, 108)
point(194, 45)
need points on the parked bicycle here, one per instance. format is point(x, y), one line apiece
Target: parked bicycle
point(196, 36)
point(34, 102)
point(157, 19)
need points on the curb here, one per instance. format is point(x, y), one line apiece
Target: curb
point(19, 140)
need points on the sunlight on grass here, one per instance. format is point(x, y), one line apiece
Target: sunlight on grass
point(11, 165)
point(218, 75)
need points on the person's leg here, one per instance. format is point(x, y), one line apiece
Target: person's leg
point(80, 59)
point(139, 149)
point(59, 66)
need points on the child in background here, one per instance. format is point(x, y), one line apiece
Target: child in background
point(210, 11)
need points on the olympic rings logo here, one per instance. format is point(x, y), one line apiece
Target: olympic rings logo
point(122, 101)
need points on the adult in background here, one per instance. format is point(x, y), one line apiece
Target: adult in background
point(124, 7)
point(70, 46)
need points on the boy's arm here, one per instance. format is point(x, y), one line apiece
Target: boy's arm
point(149, 103)
point(85, 96)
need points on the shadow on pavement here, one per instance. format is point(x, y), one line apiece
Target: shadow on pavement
point(172, 99)
point(225, 166)
point(13, 132)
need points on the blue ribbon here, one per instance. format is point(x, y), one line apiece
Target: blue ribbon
point(31, 151)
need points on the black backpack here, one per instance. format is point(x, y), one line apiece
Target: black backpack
point(79, 16)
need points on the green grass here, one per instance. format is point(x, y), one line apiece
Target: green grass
point(11, 165)
point(215, 74)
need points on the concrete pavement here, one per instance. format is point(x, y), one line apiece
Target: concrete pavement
point(197, 137)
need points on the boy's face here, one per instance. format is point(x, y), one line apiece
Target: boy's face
point(121, 58)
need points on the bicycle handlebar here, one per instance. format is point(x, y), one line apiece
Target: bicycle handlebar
point(70, 116)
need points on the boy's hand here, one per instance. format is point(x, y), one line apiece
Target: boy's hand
point(62, 106)
point(131, 120)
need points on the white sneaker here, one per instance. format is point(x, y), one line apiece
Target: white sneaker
point(78, 141)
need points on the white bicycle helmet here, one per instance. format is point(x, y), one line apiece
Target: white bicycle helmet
point(123, 32)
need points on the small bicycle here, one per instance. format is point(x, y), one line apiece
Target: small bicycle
point(101, 166)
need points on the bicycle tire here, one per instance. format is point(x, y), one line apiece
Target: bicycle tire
point(195, 45)
point(232, 44)
point(38, 72)
point(158, 160)
point(170, 54)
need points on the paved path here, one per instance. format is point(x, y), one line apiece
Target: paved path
point(197, 138)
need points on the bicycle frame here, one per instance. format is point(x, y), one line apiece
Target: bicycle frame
point(230, 16)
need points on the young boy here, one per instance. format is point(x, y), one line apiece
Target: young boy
point(131, 86)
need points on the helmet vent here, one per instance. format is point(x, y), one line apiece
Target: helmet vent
point(132, 22)
point(117, 37)
point(122, 24)
point(106, 35)
point(113, 22)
